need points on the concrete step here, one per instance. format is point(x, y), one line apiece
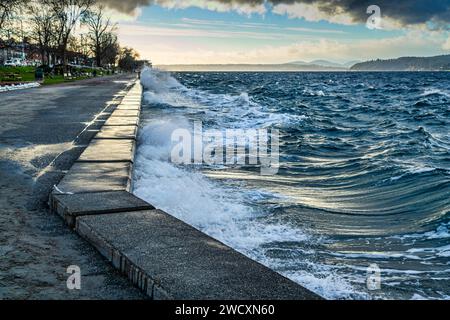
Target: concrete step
point(109, 150)
point(126, 113)
point(117, 132)
point(122, 121)
point(169, 259)
point(72, 206)
point(86, 177)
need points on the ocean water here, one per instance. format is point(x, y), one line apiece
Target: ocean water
point(364, 174)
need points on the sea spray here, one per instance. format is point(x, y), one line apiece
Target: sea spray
point(364, 175)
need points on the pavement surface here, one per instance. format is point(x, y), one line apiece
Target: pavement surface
point(42, 132)
point(171, 260)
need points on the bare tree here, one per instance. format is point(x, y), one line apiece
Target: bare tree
point(68, 14)
point(79, 45)
point(84, 45)
point(42, 28)
point(10, 17)
point(111, 50)
point(101, 33)
point(8, 8)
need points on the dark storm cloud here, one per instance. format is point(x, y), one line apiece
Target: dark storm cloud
point(407, 12)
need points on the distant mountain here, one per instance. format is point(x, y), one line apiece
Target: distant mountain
point(351, 63)
point(250, 67)
point(302, 63)
point(436, 63)
point(325, 64)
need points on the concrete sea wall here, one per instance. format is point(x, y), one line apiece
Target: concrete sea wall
point(163, 256)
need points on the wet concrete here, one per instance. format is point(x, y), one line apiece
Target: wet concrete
point(129, 106)
point(119, 132)
point(72, 206)
point(122, 121)
point(97, 177)
point(169, 259)
point(43, 131)
point(109, 150)
point(126, 113)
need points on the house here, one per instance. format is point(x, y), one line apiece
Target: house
point(11, 50)
point(24, 51)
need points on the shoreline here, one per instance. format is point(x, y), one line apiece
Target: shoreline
point(145, 243)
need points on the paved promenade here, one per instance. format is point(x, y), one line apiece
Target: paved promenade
point(42, 132)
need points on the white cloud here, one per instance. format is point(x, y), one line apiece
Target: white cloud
point(241, 8)
point(446, 45)
point(311, 30)
point(311, 12)
point(187, 31)
point(117, 16)
point(262, 26)
point(401, 12)
point(180, 46)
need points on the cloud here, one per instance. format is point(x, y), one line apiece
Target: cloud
point(120, 16)
point(312, 12)
point(170, 46)
point(436, 13)
point(259, 26)
point(127, 6)
point(130, 30)
point(241, 6)
point(446, 45)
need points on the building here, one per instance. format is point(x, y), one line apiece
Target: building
point(11, 50)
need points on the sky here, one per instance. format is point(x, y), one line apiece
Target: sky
point(277, 31)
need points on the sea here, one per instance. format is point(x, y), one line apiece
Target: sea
point(360, 205)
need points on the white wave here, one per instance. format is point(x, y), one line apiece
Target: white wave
point(443, 251)
point(158, 81)
point(411, 170)
point(375, 255)
point(191, 197)
point(421, 170)
point(310, 92)
point(227, 110)
point(218, 211)
point(435, 91)
point(441, 232)
point(223, 213)
point(327, 284)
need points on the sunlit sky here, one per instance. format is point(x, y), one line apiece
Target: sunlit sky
point(202, 33)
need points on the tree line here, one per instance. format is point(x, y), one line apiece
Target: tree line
point(436, 63)
point(57, 27)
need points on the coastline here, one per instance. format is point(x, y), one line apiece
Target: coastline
point(161, 255)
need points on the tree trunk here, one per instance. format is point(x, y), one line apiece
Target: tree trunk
point(98, 57)
point(64, 54)
point(43, 54)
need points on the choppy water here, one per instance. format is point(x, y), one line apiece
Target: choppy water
point(364, 178)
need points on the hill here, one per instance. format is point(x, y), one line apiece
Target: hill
point(436, 63)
